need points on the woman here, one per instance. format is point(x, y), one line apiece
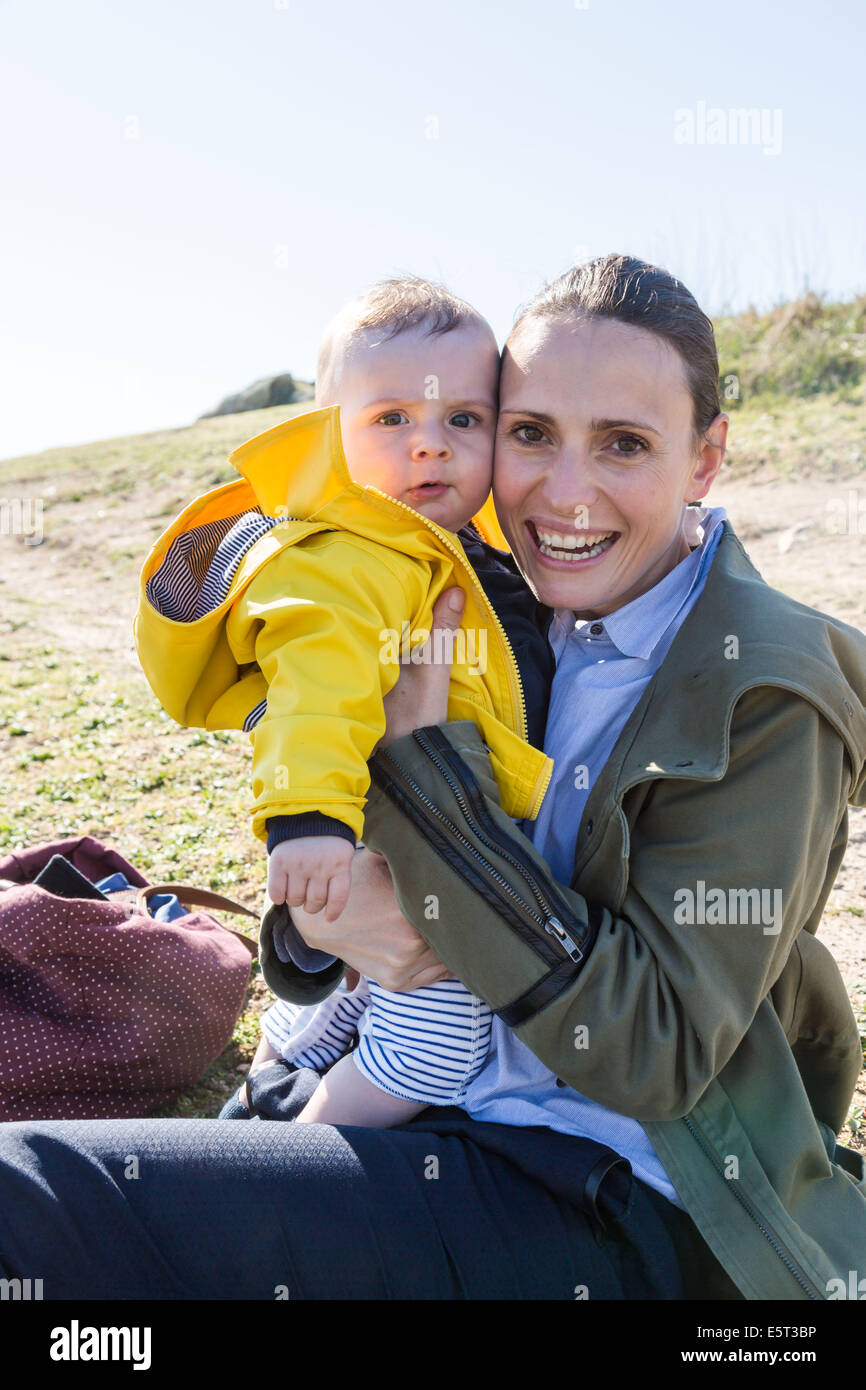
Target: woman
point(707, 734)
point(667, 1008)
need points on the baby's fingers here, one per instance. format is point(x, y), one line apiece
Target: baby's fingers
point(297, 883)
point(317, 893)
point(338, 893)
point(277, 883)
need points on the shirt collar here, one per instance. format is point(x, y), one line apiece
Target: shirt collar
point(636, 628)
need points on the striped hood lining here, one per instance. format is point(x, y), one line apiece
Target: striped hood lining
point(255, 714)
point(196, 573)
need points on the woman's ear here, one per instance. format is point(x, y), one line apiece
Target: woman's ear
point(709, 458)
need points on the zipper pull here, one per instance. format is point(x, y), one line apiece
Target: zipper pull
point(554, 927)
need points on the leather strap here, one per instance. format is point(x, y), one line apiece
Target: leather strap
point(594, 1179)
point(189, 896)
point(549, 987)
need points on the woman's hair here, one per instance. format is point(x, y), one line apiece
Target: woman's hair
point(634, 292)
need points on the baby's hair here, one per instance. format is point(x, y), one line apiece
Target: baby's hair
point(387, 309)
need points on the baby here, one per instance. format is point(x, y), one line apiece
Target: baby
point(415, 374)
point(410, 373)
point(417, 417)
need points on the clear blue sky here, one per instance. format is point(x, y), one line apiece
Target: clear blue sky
point(284, 161)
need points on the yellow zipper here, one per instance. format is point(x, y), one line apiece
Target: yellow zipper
point(516, 683)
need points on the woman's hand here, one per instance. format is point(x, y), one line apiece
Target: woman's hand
point(371, 934)
point(420, 696)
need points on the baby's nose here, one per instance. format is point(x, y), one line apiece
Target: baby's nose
point(431, 444)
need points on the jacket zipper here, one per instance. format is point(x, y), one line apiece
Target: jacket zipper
point(462, 793)
point(516, 683)
point(748, 1207)
point(513, 910)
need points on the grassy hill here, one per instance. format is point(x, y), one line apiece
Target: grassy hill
point(793, 383)
point(84, 748)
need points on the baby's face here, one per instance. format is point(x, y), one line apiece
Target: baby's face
point(418, 419)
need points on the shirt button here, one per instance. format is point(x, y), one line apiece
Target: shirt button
point(560, 1082)
point(596, 629)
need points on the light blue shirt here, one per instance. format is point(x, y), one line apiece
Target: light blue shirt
point(602, 669)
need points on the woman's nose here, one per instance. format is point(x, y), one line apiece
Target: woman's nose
point(570, 485)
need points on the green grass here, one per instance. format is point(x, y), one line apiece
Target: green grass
point(90, 753)
point(794, 384)
point(805, 348)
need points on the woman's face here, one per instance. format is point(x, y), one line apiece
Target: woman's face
point(596, 459)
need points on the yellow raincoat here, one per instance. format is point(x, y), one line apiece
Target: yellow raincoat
point(315, 621)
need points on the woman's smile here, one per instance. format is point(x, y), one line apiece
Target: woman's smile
point(571, 549)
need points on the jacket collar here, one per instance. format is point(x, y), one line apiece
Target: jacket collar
point(298, 467)
point(741, 633)
point(637, 628)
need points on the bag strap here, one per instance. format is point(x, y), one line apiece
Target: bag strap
point(189, 896)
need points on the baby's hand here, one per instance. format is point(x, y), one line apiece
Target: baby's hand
point(312, 872)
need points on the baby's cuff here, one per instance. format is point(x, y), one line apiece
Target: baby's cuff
point(282, 828)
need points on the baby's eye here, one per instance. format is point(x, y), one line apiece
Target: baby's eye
point(394, 417)
point(529, 433)
point(463, 420)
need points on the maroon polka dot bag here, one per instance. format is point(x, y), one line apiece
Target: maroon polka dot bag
point(104, 1011)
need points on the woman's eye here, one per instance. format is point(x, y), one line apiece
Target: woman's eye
point(393, 417)
point(529, 434)
point(633, 445)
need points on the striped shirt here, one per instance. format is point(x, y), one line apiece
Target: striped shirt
point(427, 1046)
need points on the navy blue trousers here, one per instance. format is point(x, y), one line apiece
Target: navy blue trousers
point(443, 1207)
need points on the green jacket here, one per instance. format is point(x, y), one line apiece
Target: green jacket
point(658, 984)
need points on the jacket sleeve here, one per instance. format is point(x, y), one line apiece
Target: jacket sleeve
point(651, 1006)
point(313, 620)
